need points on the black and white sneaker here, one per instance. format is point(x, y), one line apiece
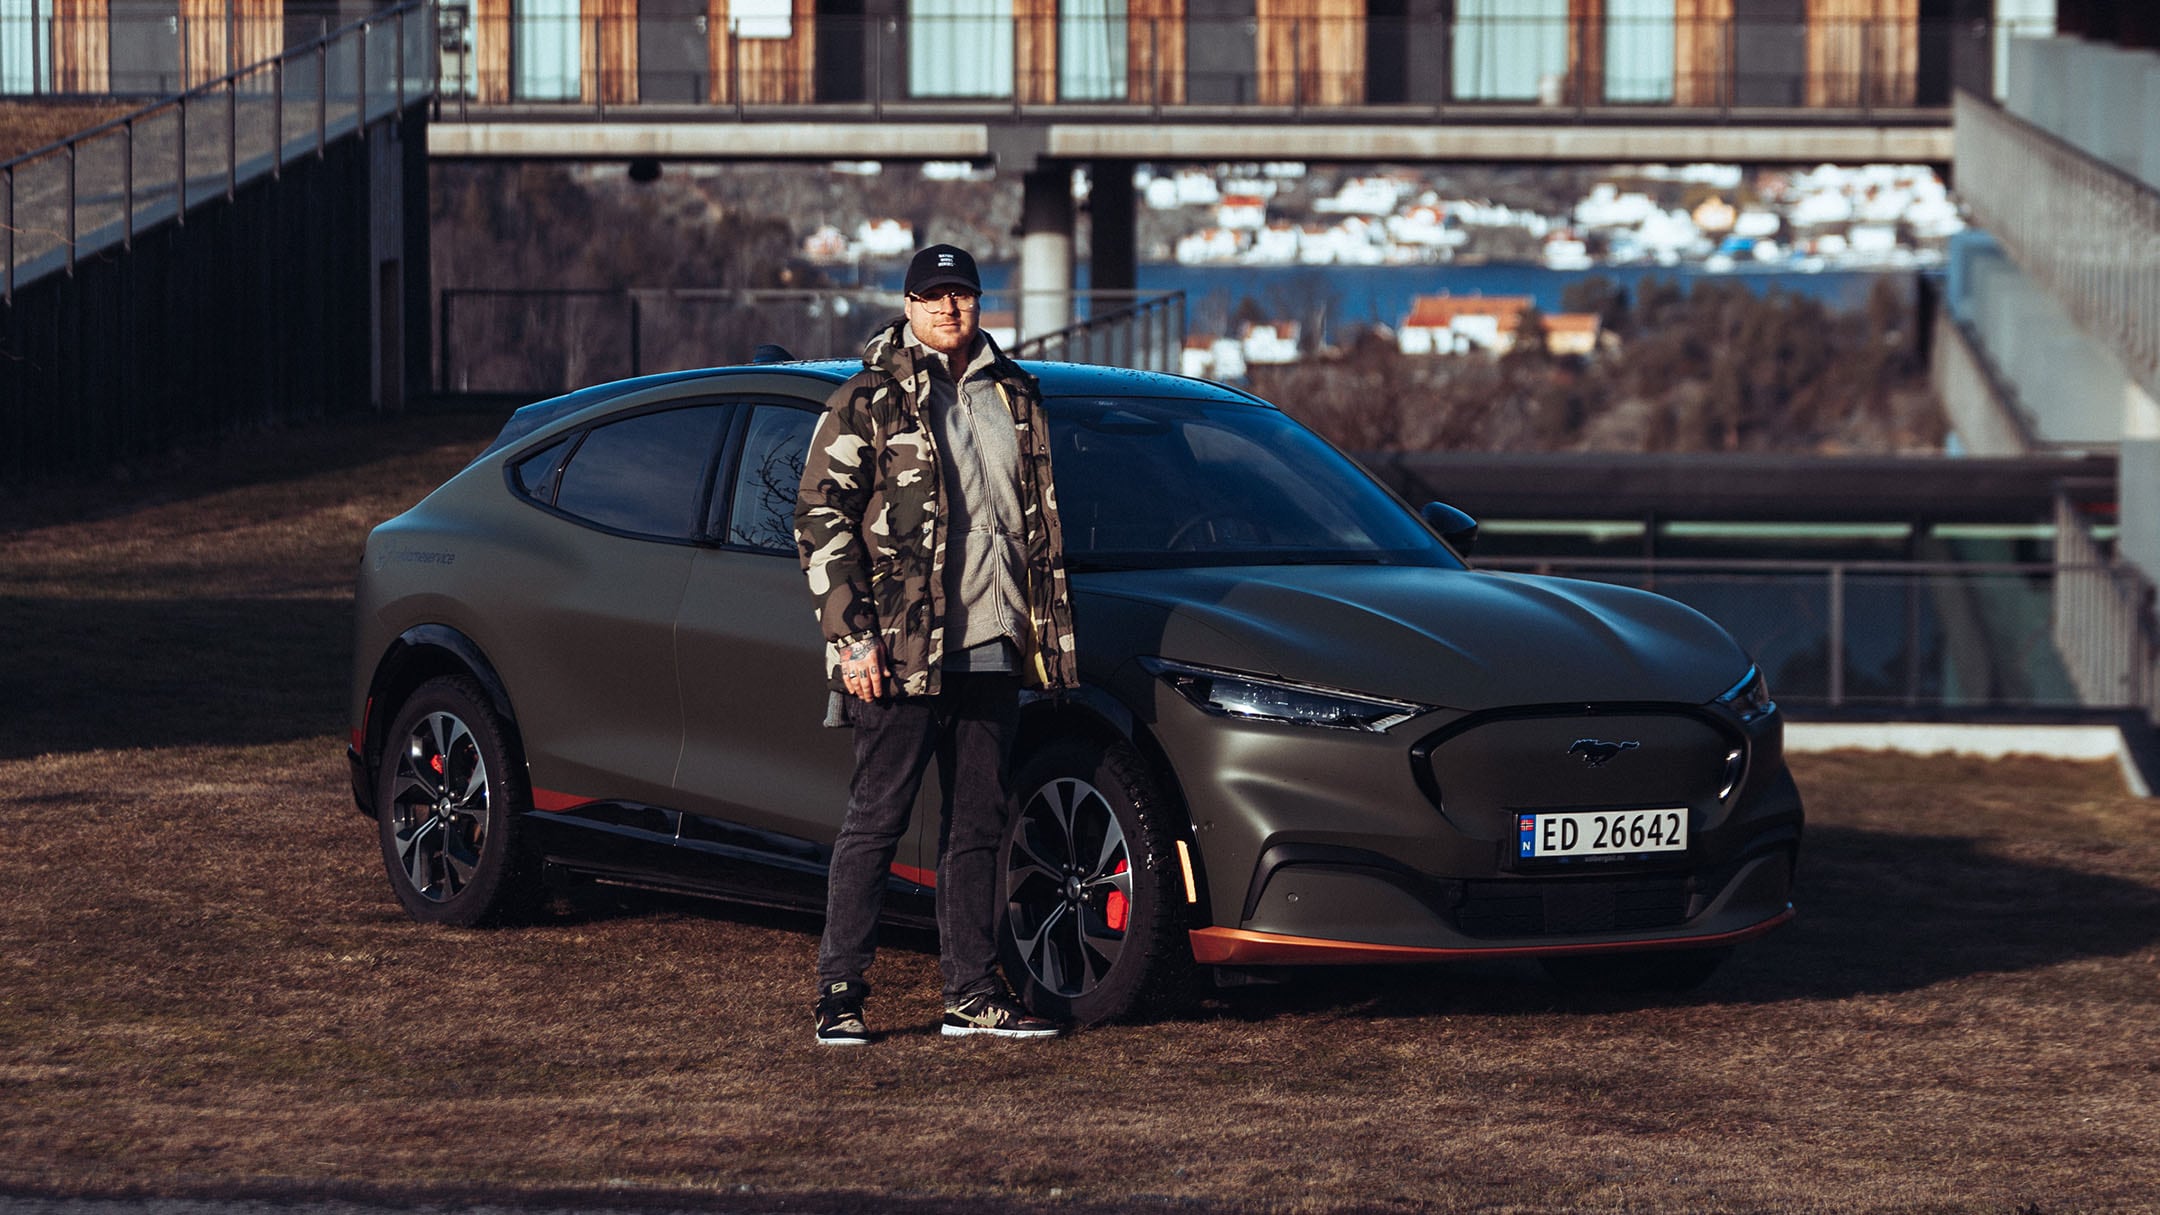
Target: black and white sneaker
point(840, 1014)
point(997, 1013)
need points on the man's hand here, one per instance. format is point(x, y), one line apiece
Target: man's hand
point(863, 670)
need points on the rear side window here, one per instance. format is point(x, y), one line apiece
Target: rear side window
point(761, 510)
point(534, 476)
point(644, 474)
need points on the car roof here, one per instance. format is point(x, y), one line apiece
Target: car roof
point(1056, 379)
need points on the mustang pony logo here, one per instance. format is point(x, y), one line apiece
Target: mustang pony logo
point(1596, 752)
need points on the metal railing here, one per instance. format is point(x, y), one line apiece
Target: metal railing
point(1147, 334)
point(98, 189)
point(123, 54)
point(2100, 604)
point(1136, 66)
point(537, 342)
point(1949, 635)
point(2104, 265)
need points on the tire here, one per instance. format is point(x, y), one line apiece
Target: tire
point(450, 794)
point(1677, 970)
point(1094, 914)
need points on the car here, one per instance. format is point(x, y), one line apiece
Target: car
point(1308, 732)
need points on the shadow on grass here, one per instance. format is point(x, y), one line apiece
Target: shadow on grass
point(1879, 913)
point(99, 674)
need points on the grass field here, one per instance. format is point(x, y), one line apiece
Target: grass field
point(206, 988)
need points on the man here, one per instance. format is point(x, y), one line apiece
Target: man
point(928, 527)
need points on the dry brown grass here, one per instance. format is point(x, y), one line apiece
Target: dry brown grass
point(205, 987)
point(26, 126)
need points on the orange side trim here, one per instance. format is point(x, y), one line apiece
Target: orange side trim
point(1237, 947)
point(554, 802)
point(921, 877)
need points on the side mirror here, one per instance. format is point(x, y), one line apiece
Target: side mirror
point(1455, 527)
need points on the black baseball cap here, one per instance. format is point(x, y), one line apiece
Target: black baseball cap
point(942, 266)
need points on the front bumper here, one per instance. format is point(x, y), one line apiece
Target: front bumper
point(1239, 947)
point(1322, 846)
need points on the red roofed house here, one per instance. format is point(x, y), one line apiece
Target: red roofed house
point(1458, 324)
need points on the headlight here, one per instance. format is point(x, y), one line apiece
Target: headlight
point(1750, 698)
point(1226, 694)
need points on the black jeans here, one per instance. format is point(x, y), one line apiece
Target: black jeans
point(968, 728)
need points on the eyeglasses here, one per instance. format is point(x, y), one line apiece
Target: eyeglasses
point(942, 297)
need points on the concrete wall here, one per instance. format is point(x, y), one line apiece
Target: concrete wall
point(2102, 98)
point(262, 311)
point(2068, 386)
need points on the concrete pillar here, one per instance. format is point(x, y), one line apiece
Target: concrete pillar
point(1113, 264)
point(1046, 249)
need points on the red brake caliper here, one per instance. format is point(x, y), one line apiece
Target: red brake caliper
point(1117, 908)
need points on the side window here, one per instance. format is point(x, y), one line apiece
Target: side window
point(534, 475)
point(644, 474)
point(761, 506)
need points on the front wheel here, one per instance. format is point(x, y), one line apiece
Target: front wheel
point(450, 793)
point(1094, 920)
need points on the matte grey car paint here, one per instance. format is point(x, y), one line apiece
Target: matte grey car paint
point(680, 680)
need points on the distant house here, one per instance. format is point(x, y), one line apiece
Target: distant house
point(827, 244)
point(1208, 245)
point(1211, 356)
point(1459, 324)
point(1270, 342)
point(1573, 333)
point(1245, 211)
point(885, 237)
point(1274, 245)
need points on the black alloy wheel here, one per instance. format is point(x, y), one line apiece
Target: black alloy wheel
point(450, 794)
point(1094, 919)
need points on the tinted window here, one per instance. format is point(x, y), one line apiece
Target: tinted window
point(761, 510)
point(1152, 482)
point(534, 475)
point(644, 474)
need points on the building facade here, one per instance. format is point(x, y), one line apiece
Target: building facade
point(1723, 54)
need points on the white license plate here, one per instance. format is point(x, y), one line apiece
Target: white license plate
point(1600, 833)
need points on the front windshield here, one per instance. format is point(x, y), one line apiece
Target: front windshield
point(1150, 483)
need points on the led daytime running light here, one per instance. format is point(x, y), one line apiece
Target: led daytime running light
point(1227, 694)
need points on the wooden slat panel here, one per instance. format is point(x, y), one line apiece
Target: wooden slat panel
point(1862, 52)
point(82, 46)
point(262, 30)
point(491, 49)
point(1586, 51)
point(203, 50)
point(1311, 51)
point(1035, 51)
point(1280, 58)
point(1894, 52)
point(769, 71)
point(1337, 66)
point(1155, 51)
point(1833, 52)
point(1702, 56)
point(607, 51)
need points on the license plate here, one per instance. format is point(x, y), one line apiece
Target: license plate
point(1600, 833)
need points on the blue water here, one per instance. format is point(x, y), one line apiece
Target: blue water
point(1364, 295)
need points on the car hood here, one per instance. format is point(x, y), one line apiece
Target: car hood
point(1463, 639)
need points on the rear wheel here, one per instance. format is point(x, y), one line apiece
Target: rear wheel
point(1674, 970)
point(450, 793)
point(1094, 910)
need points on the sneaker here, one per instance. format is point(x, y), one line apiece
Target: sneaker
point(840, 1016)
point(997, 1013)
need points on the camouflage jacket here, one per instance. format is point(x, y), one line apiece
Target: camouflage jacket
point(870, 522)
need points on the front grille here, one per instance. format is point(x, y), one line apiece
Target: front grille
point(1534, 908)
point(1486, 772)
